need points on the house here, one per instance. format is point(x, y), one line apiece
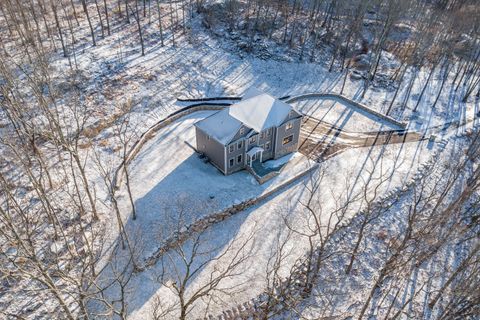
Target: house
point(258, 128)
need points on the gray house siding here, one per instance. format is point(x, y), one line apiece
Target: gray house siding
point(238, 163)
point(267, 139)
point(213, 149)
point(270, 140)
point(282, 133)
point(250, 143)
point(242, 132)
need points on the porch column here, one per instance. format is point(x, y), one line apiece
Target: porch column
point(261, 155)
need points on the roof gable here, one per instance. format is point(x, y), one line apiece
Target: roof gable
point(257, 110)
point(220, 126)
point(260, 112)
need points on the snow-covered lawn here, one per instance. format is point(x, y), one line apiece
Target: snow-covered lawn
point(265, 221)
point(172, 185)
point(341, 115)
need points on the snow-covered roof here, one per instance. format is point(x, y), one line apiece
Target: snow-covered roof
point(261, 112)
point(257, 110)
point(220, 125)
point(254, 150)
point(252, 92)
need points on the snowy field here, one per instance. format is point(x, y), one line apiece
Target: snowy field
point(172, 186)
point(341, 115)
point(265, 222)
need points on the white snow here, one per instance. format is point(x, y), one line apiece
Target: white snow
point(258, 111)
point(220, 126)
point(167, 177)
point(261, 112)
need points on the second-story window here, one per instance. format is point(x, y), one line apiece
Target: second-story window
point(253, 139)
point(232, 148)
point(240, 145)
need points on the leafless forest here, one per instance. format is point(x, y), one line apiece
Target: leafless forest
point(64, 148)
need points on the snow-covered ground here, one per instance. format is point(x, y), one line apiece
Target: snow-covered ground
point(171, 185)
point(167, 174)
point(168, 178)
point(341, 115)
point(262, 222)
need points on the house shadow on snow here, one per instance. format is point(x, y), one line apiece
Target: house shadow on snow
point(193, 189)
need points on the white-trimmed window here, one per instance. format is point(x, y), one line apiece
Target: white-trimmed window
point(239, 158)
point(232, 162)
point(253, 140)
point(269, 132)
point(242, 130)
point(267, 146)
point(240, 145)
point(231, 148)
point(289, 126)
point(287, 140)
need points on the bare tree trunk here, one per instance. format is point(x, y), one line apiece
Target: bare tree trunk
point(100, 18)
point(160, 22)
point(92, 33)
point(106, 16)
point(54, 9)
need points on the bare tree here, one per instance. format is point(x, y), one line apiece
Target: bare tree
point(199, 257)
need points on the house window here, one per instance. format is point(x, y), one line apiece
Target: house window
point(239, 145)
point(208, 137)
point(239, 158)
point(232, 148)
point(253, 139)
point(262, 135)
point(288, 139)
point(232, 162)
point(267, 145)
point(242, 130)
point(289, 126)
point(269, 132)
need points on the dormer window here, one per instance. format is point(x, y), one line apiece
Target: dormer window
point(253, 139)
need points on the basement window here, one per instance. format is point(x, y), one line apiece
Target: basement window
point(288, 139)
